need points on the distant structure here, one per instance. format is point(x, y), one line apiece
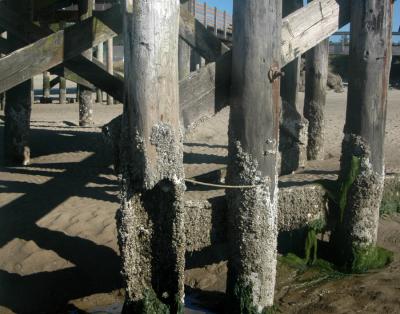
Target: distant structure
point(161, 98)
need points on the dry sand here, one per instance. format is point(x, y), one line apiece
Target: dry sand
point(58, 233)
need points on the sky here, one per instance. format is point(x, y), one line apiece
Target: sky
point(227, 5)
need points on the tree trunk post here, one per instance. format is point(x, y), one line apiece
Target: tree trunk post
point(85, 95)
point(110, 65)
point(151, 217)
point(184, 50)
point(293, 135)
point(18, 105)
point(362, 169)
point(253, 155)
point(100, 57)
point(317, 60)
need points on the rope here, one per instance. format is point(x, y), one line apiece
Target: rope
point(223, 186)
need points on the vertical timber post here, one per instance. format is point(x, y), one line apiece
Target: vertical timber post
point(317, 61)
point(85, 95)
point(110, 65)
point(293, 136)
point(46, 87)
point(184, 50)
point(18, 104)
point(2, 95)
point(62, 91)
point(151, 217)
point(362, 169)
point(253, 155)
point(100, 57)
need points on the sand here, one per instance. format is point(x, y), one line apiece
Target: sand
point(58, 249)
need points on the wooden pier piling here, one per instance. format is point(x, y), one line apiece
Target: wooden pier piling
point(151, 218)
point(253, 155)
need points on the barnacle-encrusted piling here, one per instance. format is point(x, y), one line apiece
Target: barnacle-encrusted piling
point(253, 155)
point(362, 163)
point(151, 218)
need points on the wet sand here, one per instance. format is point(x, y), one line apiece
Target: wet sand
point(58, 249)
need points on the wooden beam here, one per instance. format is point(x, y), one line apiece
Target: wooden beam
point(310, 25)
point(54, 81)
point(199, 38)
point(51, 50)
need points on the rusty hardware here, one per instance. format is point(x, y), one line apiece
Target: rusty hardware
point(274, 73)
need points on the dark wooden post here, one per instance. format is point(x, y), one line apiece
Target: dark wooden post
point(151, 218)
point(317, 61)
point(110, 65)
point(184, 49)
point(63, 82)
point(85, 95)
point(293, 135)
point(362, 169)
point(18, 104)
point(2, 95)
point(100, 57)
point(253, 154)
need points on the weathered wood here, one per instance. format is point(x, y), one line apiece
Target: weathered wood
point(151, 218)
point(18, 105)
point(48, 51)
point(85, 96)
point(184, 49)
point(253, 155)
point(100, 58)
point(310, 25)
point(362, 160)
point(293, 135)
point(201, 40)
point(62, 91)
point(205, 92)
point(110, 65)
point(317, 61)
point(46, 85)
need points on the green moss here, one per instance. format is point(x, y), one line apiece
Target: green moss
point(150, 304)
point(347, 183)
point(243, 301)
point(338, 191)
point(322, 270)
point(370, 257)
point(311, 245)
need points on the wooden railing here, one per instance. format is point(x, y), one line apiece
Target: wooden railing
point(220, 22)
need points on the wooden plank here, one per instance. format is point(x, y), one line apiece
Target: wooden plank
point(199, 38)
point(310, 25)
point(51, 51)
point(206, 91)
